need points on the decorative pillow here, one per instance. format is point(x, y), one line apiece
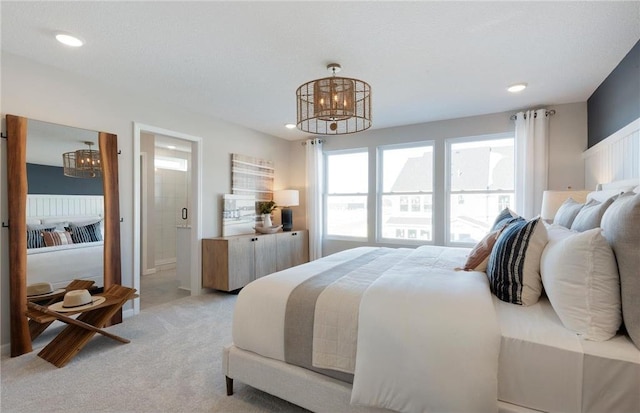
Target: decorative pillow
point(567, 213)
point(503, 218)
point(85, 233)
point(54, 238)
point(580, 277)
point(34, 236)
point(479, 255)
point(590, 215)
point(621, 227)
point(514, 263)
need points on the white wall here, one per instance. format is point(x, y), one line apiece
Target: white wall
point(45, 93)
point(568, 139)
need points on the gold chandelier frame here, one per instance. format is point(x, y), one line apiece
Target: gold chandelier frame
point(334, 105)
point(83, 163)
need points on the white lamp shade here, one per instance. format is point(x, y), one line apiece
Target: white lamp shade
point(552, 200)
point(286, 197)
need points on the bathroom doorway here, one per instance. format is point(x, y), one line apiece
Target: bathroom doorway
point(166, 229)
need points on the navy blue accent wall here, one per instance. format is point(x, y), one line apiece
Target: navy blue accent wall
point(45, 179)
point(616, 102)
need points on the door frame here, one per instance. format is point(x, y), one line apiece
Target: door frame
point(196, 206)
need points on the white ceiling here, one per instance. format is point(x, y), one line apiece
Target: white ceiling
point(242, 61)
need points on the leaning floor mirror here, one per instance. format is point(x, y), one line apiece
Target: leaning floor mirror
point(55, 171)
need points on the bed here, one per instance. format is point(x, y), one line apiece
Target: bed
point(76, 248)
point(378, 329)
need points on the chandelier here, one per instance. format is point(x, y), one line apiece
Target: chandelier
point(83, 163)
point(334, 105)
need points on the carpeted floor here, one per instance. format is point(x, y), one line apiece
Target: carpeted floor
point(173, 364)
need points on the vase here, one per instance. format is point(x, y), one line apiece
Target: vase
point(266, 221)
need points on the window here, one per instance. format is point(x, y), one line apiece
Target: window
point(405, 177)
point(346, 194)
point(480, 185)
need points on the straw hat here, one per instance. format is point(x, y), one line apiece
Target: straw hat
point(76, 300)
point(41, 290)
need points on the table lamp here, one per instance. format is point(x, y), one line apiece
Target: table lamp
point(284, 199)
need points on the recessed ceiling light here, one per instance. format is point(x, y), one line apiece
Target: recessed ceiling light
point(518, 87)
point(290, 125)
point(69, 40)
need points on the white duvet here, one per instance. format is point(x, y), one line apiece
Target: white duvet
point(427, 336)
point(428, 339)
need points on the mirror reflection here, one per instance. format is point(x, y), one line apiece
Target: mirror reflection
point(65, 205)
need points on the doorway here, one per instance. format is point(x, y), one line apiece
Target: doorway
point(167, 215)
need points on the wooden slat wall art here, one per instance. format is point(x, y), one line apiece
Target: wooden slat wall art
point(252, 176)
point(615, 158)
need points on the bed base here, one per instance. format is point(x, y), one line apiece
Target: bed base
point(300, 386)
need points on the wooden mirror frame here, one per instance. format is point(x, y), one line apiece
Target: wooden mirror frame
point(17, 194)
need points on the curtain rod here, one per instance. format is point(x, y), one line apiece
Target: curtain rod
point(313, 141)
point(547, 113)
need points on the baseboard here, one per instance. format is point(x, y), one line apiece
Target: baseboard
point(149, 271)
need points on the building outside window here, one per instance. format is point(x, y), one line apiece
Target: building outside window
point(480, 185)
point(346, 194)
point(405, 194)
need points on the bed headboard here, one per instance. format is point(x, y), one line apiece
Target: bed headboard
point(50, 206)
point(623, 185)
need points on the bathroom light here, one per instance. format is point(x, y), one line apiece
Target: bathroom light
point(518, 87)
point(69, 40)
point(290, 125)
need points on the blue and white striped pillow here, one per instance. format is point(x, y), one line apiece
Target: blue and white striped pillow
point(34, 236)
point(85, 233)
point(514, 263)
point(506, 216)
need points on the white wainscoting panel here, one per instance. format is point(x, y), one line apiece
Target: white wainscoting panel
point(42, 206)
point(615, 158)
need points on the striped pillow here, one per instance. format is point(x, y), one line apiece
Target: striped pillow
point(85, 233)
point(514, 263)
point(34, 236)
point(505, 217)
point(51, 239)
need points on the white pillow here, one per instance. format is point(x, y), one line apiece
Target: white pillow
point(580, 276)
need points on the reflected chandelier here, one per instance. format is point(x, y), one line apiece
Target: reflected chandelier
point(334, 105)
point(83, 163)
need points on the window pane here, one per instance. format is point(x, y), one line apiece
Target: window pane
point(407, 169)
point(473, 215)
point(407, 217)
point(482, 165)
point(347, 173)
point(347, 216)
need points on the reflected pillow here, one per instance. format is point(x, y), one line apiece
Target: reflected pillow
point(34, 236)
point(85, 233)
point(51, 239)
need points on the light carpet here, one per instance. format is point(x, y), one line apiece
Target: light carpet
point(173, 364)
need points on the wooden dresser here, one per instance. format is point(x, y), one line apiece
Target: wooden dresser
point(229, 263)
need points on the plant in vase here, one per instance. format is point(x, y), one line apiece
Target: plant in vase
point(265, 209)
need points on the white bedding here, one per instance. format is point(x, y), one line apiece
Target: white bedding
point(428, 339)
point(62, 264)
point(547, 367)
point(404, 355)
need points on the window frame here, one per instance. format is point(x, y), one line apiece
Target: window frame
point(447, 178)
point(380, 193)
point(326, 194)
